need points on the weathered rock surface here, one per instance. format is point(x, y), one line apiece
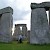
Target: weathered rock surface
point(6, 23)
point(39, 27)
point(45, 5)
point(18, 31)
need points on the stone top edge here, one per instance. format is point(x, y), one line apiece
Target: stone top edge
point(6, 10)
point(20, 24)
point(40, 5)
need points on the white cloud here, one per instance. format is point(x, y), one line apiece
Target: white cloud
point(23, 4)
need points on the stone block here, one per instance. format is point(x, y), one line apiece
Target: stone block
point(6, 23)
point(39, 27)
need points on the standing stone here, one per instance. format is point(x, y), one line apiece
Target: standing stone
point(24, 30)
point(28, 36)
point(18, 31)
point(49, 16)
point(39, 27)
point(6, 23)
point(49, 22)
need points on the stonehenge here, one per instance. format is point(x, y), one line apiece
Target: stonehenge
point(18, 31)
point(6, 24)
point(40, 29)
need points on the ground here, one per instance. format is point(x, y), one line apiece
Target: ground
point(23, 46)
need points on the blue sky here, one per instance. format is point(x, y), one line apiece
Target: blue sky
point(21, 10)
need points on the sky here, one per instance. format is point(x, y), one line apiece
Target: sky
point(21, 10)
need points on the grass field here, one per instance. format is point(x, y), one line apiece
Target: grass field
point(23, 46)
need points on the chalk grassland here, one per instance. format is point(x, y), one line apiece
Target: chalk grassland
point(23, 46)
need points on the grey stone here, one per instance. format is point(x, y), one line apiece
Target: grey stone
point(28, 35)
point(39, 27)
point(49, 16)
point(6, 10)
point(18, 31)
point(6, 23)
point(45, 5)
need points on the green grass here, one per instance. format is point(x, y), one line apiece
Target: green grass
point(23, 46)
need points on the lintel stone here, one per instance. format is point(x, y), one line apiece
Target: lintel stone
point(45, 5)
point(20, 25)
point(6, 10)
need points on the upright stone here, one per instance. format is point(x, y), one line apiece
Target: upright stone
point(24, 30)
point(6, 23)
point(39, 27)
point(49, 16)
point(28, 36)
point(17, 32)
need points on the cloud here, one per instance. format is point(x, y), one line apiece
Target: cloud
point(19, 14)
point(5, 3)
